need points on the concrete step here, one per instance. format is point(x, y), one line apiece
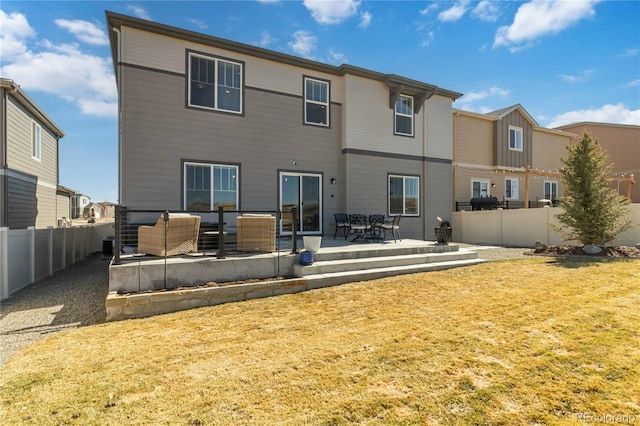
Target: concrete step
point(378, 262)
point(378, 250)
point(336, 278)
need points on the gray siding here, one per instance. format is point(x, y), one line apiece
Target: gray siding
point(22, 208)
point(161, 133)
point(503, 155)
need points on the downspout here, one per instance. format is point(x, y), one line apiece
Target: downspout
point(454, 162)
point(424, 161)
point(118, 85)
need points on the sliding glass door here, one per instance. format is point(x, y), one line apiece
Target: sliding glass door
point(302, 191)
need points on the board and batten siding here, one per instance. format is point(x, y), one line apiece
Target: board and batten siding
point(160, 133)
point(145, 49)
point(508, 157)
point(369, 122)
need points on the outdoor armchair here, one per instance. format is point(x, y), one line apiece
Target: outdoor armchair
point(181, 235)
point(393, 226)
point(256, 232)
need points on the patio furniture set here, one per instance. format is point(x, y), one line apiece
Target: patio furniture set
point(373, 227)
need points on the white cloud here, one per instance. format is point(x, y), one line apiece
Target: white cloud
point(85, 31)
point(303, 43)
point(617, 114)
point(15, 31)
point(266, 39)
point(139, 11)
point(428, 39)
point(427, 10)
point(580, 78)
point(629, 53)
point(199, 23)
point(538, 18)
point(336, 58)
point(633, 83)
point(331, 12)
point(455, 12)
point(83, 79)
point(365, 19)
point(486, 10)
point(466, 101)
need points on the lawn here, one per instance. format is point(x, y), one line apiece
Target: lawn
point(536, 341)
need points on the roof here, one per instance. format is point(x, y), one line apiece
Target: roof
point(14, 89)
point(595, 123)
point(116, 21)
point(508, 110)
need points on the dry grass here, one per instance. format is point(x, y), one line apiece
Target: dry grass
point(537, 341)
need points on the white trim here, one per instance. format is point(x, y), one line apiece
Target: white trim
point(215, 60)
point(517, 130)
point(487, 181)
point(34, 142)
point(411, 116)
point(517, 195)
point(404, 194)
point(325, 104)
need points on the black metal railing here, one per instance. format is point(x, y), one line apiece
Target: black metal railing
point(505, 204)
point(215, 233)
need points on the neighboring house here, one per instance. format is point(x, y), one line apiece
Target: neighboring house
point(207, 122)
point(493, 152)
point(622, 143)
point(79, 203)
point(29, 190)
point(103, 210)
point(64, 198)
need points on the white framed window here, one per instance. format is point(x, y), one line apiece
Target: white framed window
point(511, 188)
point(404, 195)
point(36, 140)
point(208, 187)
point(215, 83)
point(515, 138)
point(316, 102)
point(403, 123)
point(480, 188)
point(551, 189)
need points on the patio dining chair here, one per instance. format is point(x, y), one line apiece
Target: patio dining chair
point(342, 223)
point(375, 223)
point(359, 226)
point(393, 226)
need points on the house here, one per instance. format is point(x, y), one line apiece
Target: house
point(29, 190)
point(207, 122)
point(506, 154)
point(622, 143)
point(79, 203)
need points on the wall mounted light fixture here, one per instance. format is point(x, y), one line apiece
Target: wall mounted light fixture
point(333, 181)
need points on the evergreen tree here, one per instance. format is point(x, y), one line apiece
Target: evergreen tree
point(593, 213)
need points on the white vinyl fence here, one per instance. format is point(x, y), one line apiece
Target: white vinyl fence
point(28, 255)
point(523, 227)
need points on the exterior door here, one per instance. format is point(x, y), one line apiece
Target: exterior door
point(303, 191)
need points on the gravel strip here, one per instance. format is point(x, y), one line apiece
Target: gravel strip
point(71, 298)
point(76, 296)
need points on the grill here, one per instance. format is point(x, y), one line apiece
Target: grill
point(484, 203)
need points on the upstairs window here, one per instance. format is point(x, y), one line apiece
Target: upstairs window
point(404, 195)
point(36, 141)
point(215, 84)
point(210, 186)
point(515, 138)
point(511, 189)
point(404, 116)
point(316, 102)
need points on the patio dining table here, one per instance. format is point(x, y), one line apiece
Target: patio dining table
point(366, 227)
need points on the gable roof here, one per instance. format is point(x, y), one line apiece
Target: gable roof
point(501, 113)
point(595, 123)
point(14, 89)
point(115, 21)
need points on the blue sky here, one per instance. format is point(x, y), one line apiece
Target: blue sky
point(564, 61)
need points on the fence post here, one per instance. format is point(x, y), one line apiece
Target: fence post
point(73, 252)
point(32, 251)
point(4, 263)
point(294, 230)
point(64, 248)
point(222, 253)
point(50, 228)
